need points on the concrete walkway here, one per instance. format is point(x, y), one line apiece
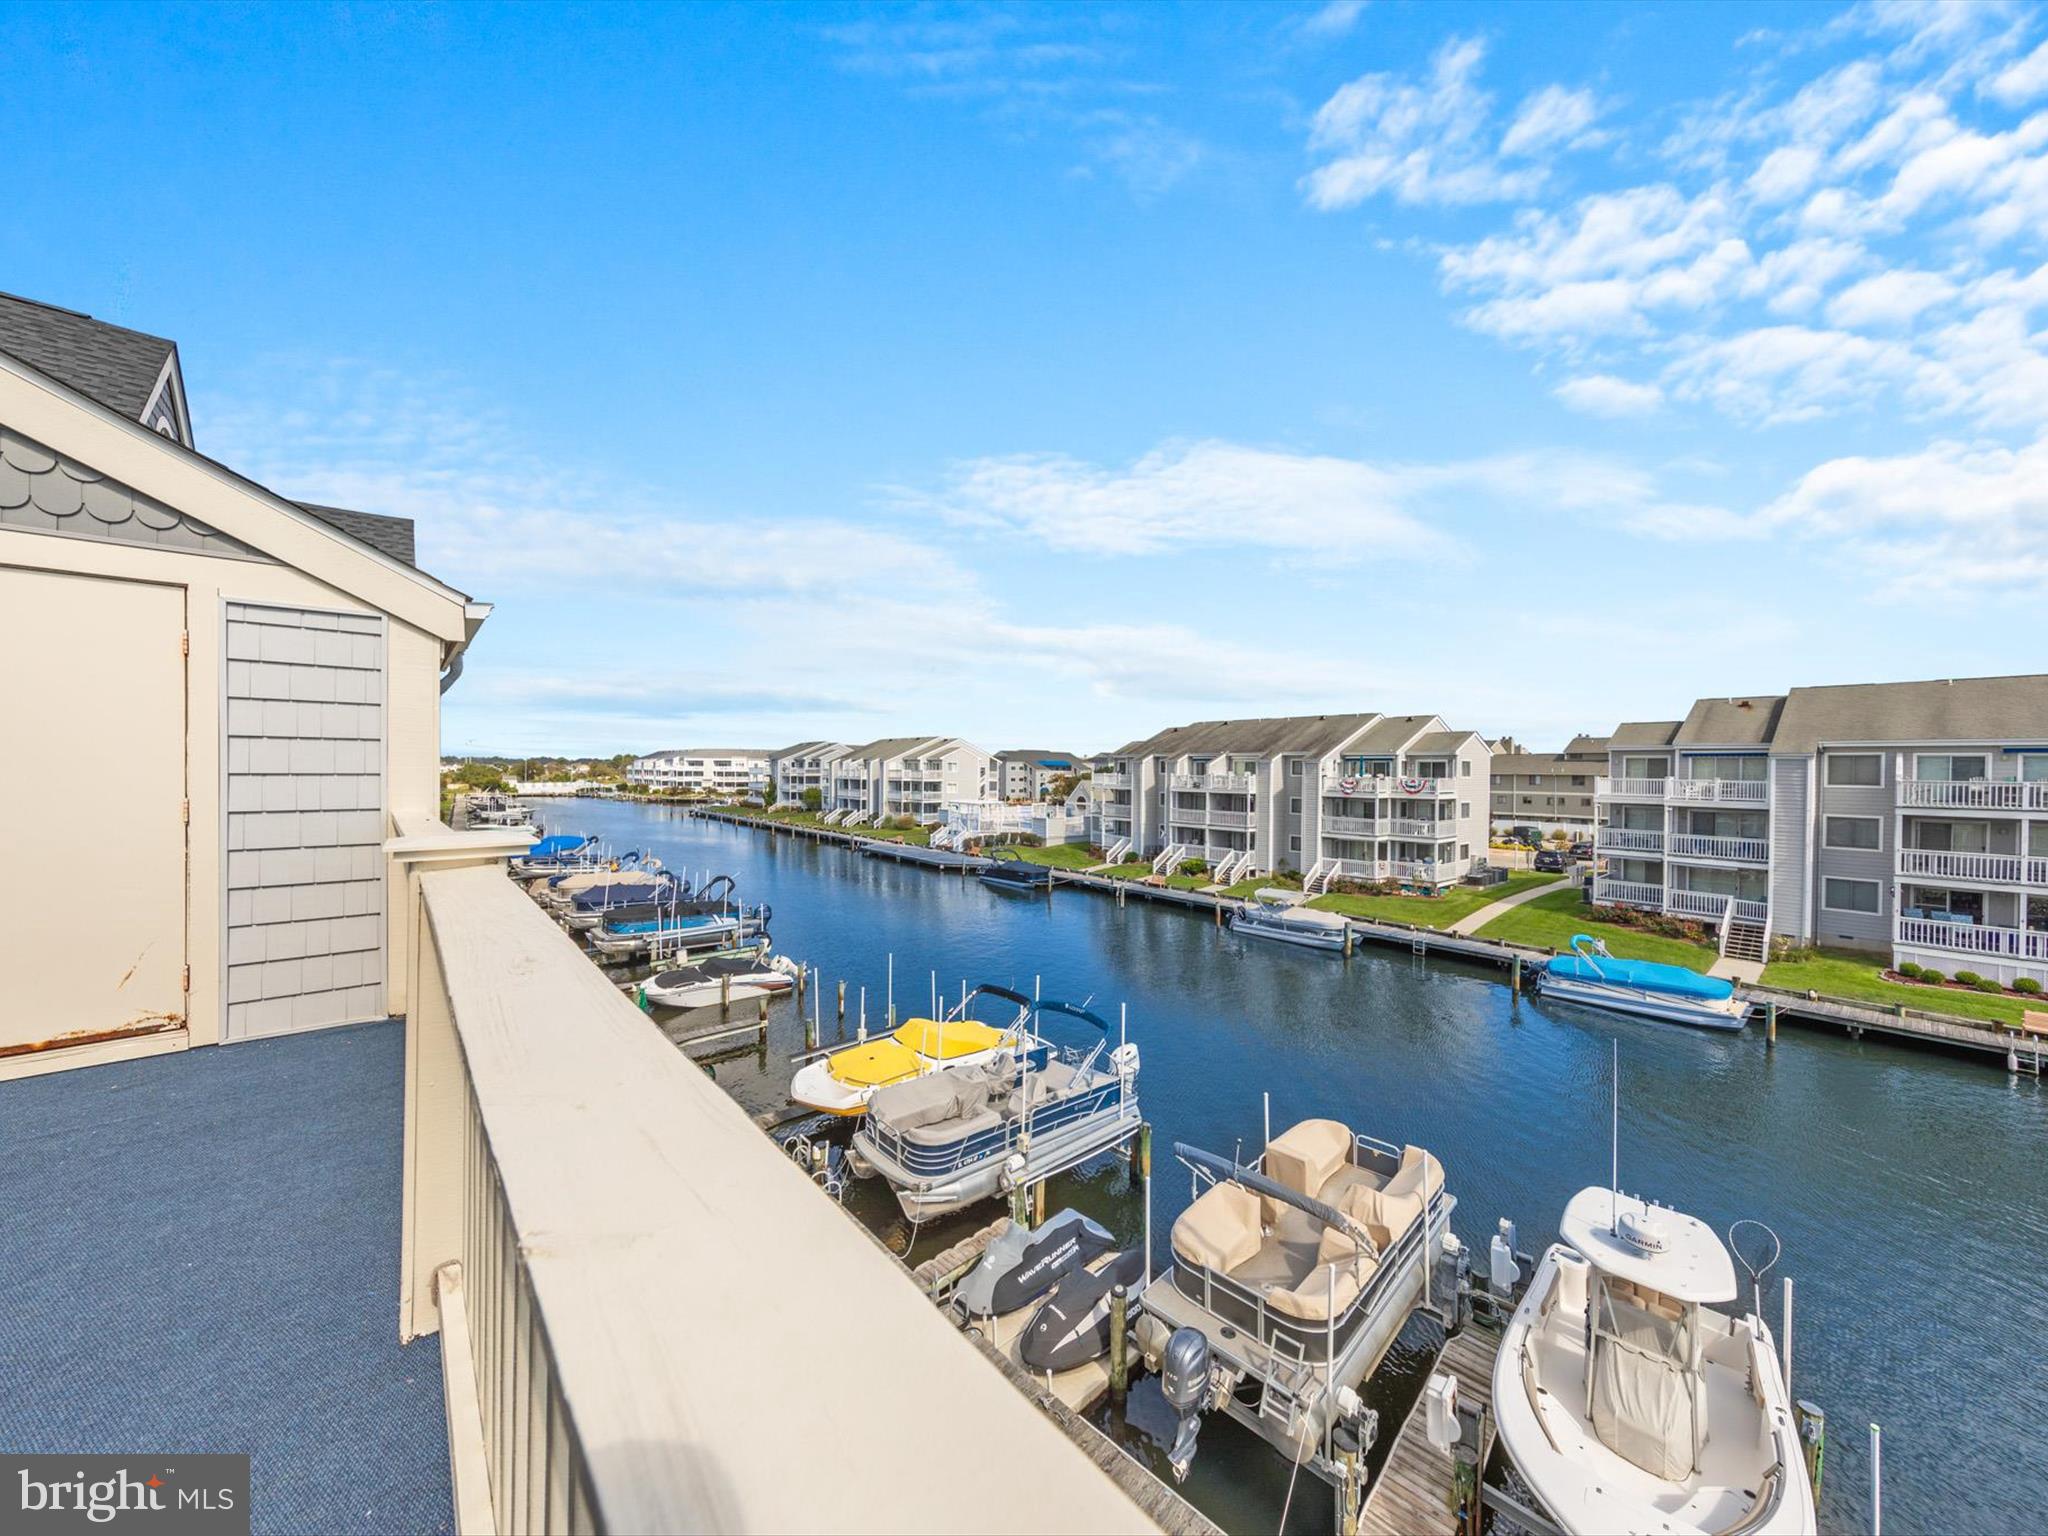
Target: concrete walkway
point(1744, 972)
point(1491, 910)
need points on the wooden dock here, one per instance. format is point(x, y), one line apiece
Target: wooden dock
point(1415, 1493)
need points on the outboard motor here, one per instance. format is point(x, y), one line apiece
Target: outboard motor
point(1184, 1382)
point(1124, 1060)
point(1503, 1273)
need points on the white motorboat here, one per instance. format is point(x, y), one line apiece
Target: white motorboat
point(1289, 925)
point(717, 979)
point(1645, 988)
point(1627, 1404)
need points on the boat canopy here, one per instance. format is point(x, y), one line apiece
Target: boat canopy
point(556, 846)
point(1584, 964)
point(915, 1041)
point(1654, 1247)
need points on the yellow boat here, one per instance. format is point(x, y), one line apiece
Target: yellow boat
point(842, 1083)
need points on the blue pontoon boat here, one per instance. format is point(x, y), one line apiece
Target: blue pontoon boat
point(1645, 988)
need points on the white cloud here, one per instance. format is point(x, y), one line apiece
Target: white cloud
point(1601, 394)
point(1890, 299)
point(1417, 142)
point(1785, 373)
point(1785, 173)
point(1550, 118)
point(1332, 20)
point(2022, 80)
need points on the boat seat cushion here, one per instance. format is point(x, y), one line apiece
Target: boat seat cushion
point(1313, 1299)
point(940, 1132)
point(1056, 1079)
point(1221, 1230)
point(1304, 1156)
point(1389, 1211)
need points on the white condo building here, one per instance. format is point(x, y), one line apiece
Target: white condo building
point(1356, 797)
point(796, 771)
point(914, 776)
point(703, 770)
point(1902, 817)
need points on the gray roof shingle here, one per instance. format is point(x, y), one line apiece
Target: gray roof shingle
point(389, 535)
point(1990, 709)
point(1254, 738)
point(116, 366)
point(1734, 722)
point(1644, 733)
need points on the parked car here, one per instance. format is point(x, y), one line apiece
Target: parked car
point(1582, 849)
point(1550, 861)
point(1528, 837)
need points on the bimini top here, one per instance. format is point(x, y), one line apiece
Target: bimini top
point(1651, 1245)
point(914, 1042)
point(1644, 975)
point(551, 847)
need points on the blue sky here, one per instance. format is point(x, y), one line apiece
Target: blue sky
point(1049, 375)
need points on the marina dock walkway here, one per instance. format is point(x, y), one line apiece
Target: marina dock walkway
point(1414, 1495)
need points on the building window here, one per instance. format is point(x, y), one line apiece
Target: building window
point(1294, 768)
point(1853, 831)
point(1294, 845)
point(1464, 809)
point(1294, 806)
point(1464, 850)
point(1950, 769)
point(1850, 895)
point(1855, 769)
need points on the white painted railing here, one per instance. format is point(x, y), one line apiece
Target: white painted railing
point(1630, 789)
point(1629, 893)
point(1717, 791)
point(1629, 840)
point(1351, 826)
point(1974, 938)
point(1237, 819)
point(630, 1277)
point(2002, 868)
point(1712, 904)
point(1212, 783)
point(1110, 780)
point(1409, 827)
point(1974, 794)
point(1747, 850)
point(1383, 787)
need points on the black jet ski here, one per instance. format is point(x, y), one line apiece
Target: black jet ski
point(1072, 1327)
point(1025, 1262)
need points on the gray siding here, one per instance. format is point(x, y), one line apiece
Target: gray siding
point(43, 490)
point(1859, 930)
point(304, 768)
point(1789, 807)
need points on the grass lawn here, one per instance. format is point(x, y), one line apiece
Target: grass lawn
point(1432, 911)
point(1552, 920)
point(921, 836)
point(1186, 882)
point(1134, 871)
point(1060, 856)
point(1842, 973)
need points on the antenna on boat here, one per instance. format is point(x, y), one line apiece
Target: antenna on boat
point(1614, 1148)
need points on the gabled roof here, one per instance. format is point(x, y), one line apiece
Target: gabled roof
point(1044, 757)
point(116, 366)
point(891, 746)
point(1973, 709)
point(1441, 741)
point(1644, 733)
point(1392, 732)
point(1583, 745)
point(1733, 722)
point(392, 535)
point(1540, 762)
point(1316, 734)
point(809, 749)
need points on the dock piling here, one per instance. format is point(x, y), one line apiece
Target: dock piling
point(1770, 1021)
point(724, 995)
point(1119, 1345)
point(842, 997)
point(1515, 976)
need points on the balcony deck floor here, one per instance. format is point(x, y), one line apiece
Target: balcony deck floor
point(201, 1254)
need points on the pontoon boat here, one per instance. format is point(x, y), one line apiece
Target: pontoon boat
point(1645, 988)
point(1289, 925)
point(841, 1081)
point(1009, 870)
point(945, 1139)
point(1627, 1404)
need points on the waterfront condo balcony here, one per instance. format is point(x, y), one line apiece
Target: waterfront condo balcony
point(2012, 944)
point(1629, 789)
point(1712, 906)
point(1351, 826)
point(1629, 893)
point(1425, 831)
point(1628, 840)
point(1717, 791)
point(1730, 850)
point(1344, 786)
point(1974, 794)
point(1111, 780)
point(1977, 868)
point(1239, 820)
point(1213, 783)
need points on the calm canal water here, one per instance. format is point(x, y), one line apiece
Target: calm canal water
point(1910, 1188)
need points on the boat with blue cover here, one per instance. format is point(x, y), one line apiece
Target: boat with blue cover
point(1009, 870)
point(561, 854)
point(945, 1139)
point(1645, 988)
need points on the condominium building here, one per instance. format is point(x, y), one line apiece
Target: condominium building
point(1550, 791)
point(797, 771)
point(1362, 797)
point(703, 770)
point(1902, 817)
point(911, 776)
point(1028, 773)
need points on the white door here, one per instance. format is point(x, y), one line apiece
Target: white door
point(304, 755)
point(92, 910)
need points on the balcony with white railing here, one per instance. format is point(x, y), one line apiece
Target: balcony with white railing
point(1731, 850)
point(1628, 840)
point(1106, 780)
point(1717, 791)
point(566, 1170)
point(1425, 831)
point(1629, 789)
point(1383, 787)
point(1974, 794)
point(1984, 868)
point(1235, 819)
point(1629, 893)
point(1351, 826)
point(1212, 783)
point(1711, 905)
point(1974, 939)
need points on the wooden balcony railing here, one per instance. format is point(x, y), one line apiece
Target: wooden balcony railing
point(637, 1290)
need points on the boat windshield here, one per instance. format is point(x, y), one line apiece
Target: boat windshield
point(1643, 1377)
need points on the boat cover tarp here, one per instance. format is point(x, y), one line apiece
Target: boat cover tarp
point(1644, 975)
point(552, 847)
point(1643, 1405)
